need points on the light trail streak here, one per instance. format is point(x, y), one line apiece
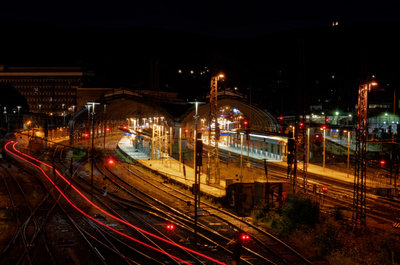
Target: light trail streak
point(104, 211)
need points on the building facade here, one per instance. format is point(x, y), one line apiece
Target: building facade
point(50, 90)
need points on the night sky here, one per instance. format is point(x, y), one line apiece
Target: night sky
point(256, 43)
point(221, 18)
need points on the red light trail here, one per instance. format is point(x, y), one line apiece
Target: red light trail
point(104, 211)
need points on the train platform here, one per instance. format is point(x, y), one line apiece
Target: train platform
point(172, 169)
point(342, 176)
point(175, 170)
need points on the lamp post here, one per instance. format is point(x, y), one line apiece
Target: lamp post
point(323, 149)
point(18, 123)
point(348, 152)
point(62, 107)
point(394, 112)
point(180, 148)
point(308, 146)
point(241, 157)
point(104, 126)
point(92, 104)
point(337, 117)
point(196, 188)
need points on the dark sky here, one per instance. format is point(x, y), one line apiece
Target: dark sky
point(223, 18)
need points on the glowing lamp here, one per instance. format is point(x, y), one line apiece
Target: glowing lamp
point(170, 227)
point(244, 237)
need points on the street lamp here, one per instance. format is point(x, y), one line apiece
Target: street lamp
point(92, 104)
point(19, 119)
point(196, 189)
point(308, 146)
point(104, 126)
point(323, 147)
point(62, 107)
point(241, 157)
point(348, 152)
point(337, 117)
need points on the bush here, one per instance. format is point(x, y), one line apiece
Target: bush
point(296, 213)
point(300, 212)
point(327, 238)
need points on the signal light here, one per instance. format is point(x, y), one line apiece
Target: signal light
point(280, 118)
point(110, 161)
point(301, 125)
point(323, 127)
point(107, 129)
point(124, 127)
point(170, 227)
point(244, 237)
point(382, 162)
point(186, 130)
point(324, 189)
point(246, 123)
point(326, 119)
point(86, 135)
point(231, 117)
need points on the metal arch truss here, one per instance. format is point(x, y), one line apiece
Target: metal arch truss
point(360, 169)
point(213, 134)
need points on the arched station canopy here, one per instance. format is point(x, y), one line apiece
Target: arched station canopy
point(122, 104)
point(260, 120)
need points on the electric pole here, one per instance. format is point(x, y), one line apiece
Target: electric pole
point(360, 169)
point(214, 131)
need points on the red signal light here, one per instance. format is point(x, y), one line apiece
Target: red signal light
point(86, 135)
point(301, 125)
point(231, 117)
point(186, 130)
point(382, 162)
point(323, 127)
point(170, 227)
point(107, 129)
point(124, 127)
point(244, 237)
point(281, 118)
point(245, 123)
point(111, 161)
point(326, 119)
point(324, 189)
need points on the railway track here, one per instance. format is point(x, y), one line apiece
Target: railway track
point(67, 196)
point(379, 208)
point(28, 223)
point(44, 213)
point(226, 222)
